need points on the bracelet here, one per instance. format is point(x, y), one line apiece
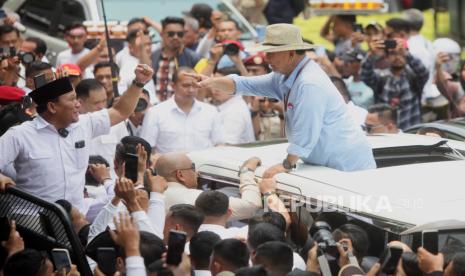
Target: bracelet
point(138, 84)
point(267, 194)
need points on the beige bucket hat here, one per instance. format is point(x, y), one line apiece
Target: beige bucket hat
point(279, 38)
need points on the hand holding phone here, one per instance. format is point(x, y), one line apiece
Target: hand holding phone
point(61, 259)
point(429, 241)
point(390, 259)
point(176, 243)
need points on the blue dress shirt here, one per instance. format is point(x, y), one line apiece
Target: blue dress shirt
point(318, 125)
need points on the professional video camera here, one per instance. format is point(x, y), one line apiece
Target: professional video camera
point(322, 234)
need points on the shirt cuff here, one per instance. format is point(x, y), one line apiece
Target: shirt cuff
point(237, 83)
point(298, 150)
point(135, 262)
point(156, 196)
point(138, 215)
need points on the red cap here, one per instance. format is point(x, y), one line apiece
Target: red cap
point(257, 59)
point(237, 43)
point(72, 69)
point(10, 94)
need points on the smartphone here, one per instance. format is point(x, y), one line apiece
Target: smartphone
point(390, 259)
point(61, 259)
point(429, 241)
point(357, 28)
point(390, 44)
point(4, 228)
point(106, 260)
point(130, 166)
point(2, 13)
point(40, 80)
point(176, 243)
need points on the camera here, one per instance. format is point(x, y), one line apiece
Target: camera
point(25, 57)
point(390, 44)
point(322, 234)
point(231, 49)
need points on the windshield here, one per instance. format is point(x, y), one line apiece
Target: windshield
point(159, 9)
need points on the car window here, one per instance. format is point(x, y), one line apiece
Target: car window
point(37, 13)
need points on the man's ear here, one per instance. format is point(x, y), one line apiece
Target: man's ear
point(229, 213)
point(253, 256)
point(120, 264)
point(51, 107)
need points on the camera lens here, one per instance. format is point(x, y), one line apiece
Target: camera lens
point(231, 49)
point(26, 58)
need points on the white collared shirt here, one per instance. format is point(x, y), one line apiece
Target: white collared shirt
point(48, 165)
point(236, 120)
point(168, 129)
point(223, 232)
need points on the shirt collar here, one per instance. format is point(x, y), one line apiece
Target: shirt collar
point(174, 106)
point(176, 185)
point(291, 79)
point(227, 103)
point(42, 123)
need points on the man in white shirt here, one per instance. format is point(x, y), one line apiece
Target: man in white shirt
point(214, 205)
point(182, 124)
point(180, 173)
point(92, 97)
point(134, 123)
point(234, 114)
point(49, 153)
point(140, 49)
point(75, 36)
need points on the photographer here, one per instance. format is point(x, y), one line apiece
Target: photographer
point(403, 86)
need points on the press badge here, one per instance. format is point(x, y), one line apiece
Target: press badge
point(80, 144)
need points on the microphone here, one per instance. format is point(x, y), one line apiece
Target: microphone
point(63, 132)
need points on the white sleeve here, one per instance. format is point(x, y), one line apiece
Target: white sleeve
point(156, 213)
point(96, 123)
point(205, 44)
point(149, 131)
point(143, 222)
point(9, 148)
point(102, 220)
point(135, 266)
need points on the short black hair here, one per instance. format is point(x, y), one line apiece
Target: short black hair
point(172, 20)
point(233, 253)
point(36, 67)
point(274, 218)
point(182, 69)
point(276, 256)
point(358, 236)
point(131, 36)
point(398, 25)
point(104, 64)
point(151, 248)
point(212, 203)
point(85, 86)
point(6, 29)
point(42, 107)
point(41, 46)
point(236, 24)
point(189, 217)
point(25, 262)
point(135, 20)
point(385, 112)
point(74, 25)
point(201, 247)
point(425, 130)
point(256, 270)
point(264, 232)
point(128, 144)
point(347, 18)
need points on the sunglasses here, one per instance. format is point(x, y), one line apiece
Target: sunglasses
point(172, 34)
point(368, 128)
point(271, 100)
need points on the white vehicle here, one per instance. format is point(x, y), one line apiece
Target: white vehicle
point(47, 19)
point(417, 180)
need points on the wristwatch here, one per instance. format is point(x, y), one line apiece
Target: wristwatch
point(267, 194)
point(288, 166)
point(138, 84)
point(244, 170)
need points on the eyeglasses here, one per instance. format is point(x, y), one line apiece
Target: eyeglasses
point(192, 167)
point(369, 128)
point(271, 100)
point(172, 34)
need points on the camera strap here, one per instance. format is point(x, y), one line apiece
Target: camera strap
point(286, 97)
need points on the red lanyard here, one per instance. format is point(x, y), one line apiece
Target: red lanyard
point(286, 97)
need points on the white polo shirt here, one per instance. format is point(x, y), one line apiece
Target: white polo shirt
point(236, 120)
point(168, 129)
point(48, 165)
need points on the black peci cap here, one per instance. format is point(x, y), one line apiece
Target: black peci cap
point(51, 90)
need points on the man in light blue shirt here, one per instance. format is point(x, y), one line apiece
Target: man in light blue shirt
point(318, 125)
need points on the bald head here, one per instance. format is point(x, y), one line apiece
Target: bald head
point(170, 162)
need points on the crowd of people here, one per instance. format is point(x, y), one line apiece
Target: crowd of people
point(107, 141)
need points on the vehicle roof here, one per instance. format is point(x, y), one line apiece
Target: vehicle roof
point(414, 193)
